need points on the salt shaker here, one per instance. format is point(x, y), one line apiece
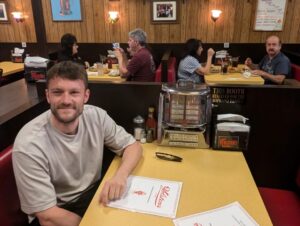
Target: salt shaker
point(138, 127)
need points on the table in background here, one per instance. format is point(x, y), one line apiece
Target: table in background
point(210, 179)
point(233, 78)
point(93, 76)
point(19, 103)
point(11, 68)
point(15, 98)
point(11, 72)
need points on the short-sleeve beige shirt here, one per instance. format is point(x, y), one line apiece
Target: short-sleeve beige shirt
point(52, 168)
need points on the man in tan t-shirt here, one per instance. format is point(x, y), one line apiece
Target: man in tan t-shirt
point(57, 157)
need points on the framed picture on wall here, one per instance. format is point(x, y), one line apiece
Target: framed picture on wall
point(164, 11)
point(270, 15)
point(66, 10)
point(3, 12)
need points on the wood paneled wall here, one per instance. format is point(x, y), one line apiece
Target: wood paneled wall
point(18, 32)
point(235, 24)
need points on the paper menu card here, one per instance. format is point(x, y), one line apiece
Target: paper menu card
point(150, 196)
point(232, 214)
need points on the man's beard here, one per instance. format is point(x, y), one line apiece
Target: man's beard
point(67, 120)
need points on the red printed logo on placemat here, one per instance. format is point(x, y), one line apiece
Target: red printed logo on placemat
point(162, 195)
point(139, 193)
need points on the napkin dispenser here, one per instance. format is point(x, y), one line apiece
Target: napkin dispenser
point(17, 55)
point(35, 68)
point(231, 132)
point(220, 57)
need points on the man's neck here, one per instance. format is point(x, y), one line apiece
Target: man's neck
point(273, 56)
point(138, 48)
point(66, 128)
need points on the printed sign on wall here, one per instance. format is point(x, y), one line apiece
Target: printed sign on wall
point(269, 15)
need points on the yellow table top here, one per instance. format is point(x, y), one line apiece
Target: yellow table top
point(93, 76)
point(11, 68)
point(210, 179)
point(233, 78)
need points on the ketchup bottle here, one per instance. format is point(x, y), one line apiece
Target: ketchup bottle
point(109, 62)
point(151, 123)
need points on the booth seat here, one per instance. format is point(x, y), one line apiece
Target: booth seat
point(10, 211)
point(171, 71)
point(1, 72)
point(296, 71)
point(283, 205)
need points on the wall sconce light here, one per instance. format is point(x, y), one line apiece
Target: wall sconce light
point(215, 14)
point(113, 16)
point(18, 16)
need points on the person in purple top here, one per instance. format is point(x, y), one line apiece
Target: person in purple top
point(141, 67)
point(275, 66)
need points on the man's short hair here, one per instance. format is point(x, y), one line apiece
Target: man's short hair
point(68, 70)
point(139, 35)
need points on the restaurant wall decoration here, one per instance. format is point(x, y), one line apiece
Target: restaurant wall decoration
point(3, 12)
point(66, 10)
point(164, 11)
point(270, 15)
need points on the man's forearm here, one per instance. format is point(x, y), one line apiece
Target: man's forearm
point(115, 186)
point(278, 79)
point(130, 159)
point(274, 78)
point(123, 63)
point(122, 66)
point(56, 216)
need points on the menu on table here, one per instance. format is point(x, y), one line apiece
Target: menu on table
point(232, 214)
point(150, 196)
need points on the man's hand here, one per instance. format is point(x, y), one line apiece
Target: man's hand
point(258, 72)
point(119, 53)
point(122, 60)
point(113, 189)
